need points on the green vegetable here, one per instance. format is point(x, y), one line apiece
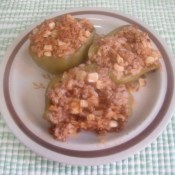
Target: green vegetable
point(60, 64)
point(56, 81)
point(95, 47)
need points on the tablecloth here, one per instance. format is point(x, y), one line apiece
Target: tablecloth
point(158, 158)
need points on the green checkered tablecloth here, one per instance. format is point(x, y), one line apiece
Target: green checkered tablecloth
point(157, 158)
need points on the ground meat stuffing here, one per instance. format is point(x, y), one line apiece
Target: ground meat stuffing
point(87, 100)
point(128, 52)
point(60, 36)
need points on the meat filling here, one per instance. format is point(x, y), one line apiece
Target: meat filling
point(60, 37)
point(87, 100)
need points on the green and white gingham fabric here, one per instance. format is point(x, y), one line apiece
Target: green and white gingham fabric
point(158, 158)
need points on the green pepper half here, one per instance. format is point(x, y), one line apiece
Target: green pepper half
point(57, 80)
point(94, 49)
point(56, 65)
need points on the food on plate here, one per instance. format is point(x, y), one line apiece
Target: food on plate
point(61, 43)
point(85, 98)
point(127, 52)
point(95, 95)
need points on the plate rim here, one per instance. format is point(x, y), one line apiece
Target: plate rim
point(6, 112)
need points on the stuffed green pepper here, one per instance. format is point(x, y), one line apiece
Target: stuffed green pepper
point(61, 43)
point(127, 52)
point(85, 98)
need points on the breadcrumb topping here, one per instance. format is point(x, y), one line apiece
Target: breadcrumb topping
point(60, 37)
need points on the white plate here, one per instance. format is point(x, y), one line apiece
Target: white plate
point(22, 105)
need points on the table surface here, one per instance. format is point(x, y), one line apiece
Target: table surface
point(157, 158)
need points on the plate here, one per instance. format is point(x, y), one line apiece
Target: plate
point(22, 100)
